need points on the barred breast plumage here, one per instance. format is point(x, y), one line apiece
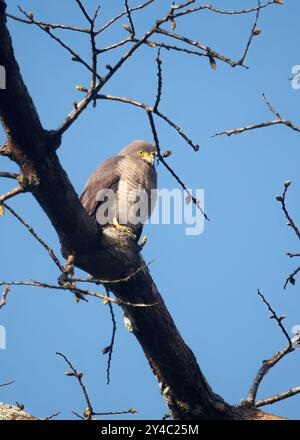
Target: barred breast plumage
point(133, 179)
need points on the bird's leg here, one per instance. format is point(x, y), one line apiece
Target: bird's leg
point(123, 228)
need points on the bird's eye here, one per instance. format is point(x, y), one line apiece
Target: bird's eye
point(140, 152)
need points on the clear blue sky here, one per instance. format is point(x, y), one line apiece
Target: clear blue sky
point(209, 282)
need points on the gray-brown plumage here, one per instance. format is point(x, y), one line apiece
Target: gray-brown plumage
point(130, 172)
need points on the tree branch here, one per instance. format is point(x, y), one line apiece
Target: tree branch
point(278, 397)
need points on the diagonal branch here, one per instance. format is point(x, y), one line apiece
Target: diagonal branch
point(209, 52)
point(279, 120)
point(167, 166)
point(36, 236)
point(276, 317)
point(7, 175)
point(12, 193)
point(269, 363)
point(252, 34)
point(278, 397)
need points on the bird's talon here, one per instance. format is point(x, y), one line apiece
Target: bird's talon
point(124, 229)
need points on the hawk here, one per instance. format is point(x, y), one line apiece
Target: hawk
point(122, 191)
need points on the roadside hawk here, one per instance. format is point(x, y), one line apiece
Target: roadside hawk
point(122, 191)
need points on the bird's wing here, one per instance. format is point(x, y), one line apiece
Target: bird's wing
point(105, 177)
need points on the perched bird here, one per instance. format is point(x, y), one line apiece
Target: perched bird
point(122, 191)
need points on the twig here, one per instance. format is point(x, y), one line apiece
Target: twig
point(270, 363)
point(83, 10)
point(208, 50)
point(48, 25)
point(52, 416)
point(159, 82)
point(291, 278)
point(252, 34)
point(117, 17)
point(291, 255)
point(111, 346)
point(77, 415)
point(101, 281)
point(4, 296)
point(282, 200)
point(128, 11)
point(290, 222)
point(78, 375)
point(247, 128)
point(147, 108)
point(278, 397)
point(114, 413)
point(116, 45)
point(279, 120)
point(18, 190)
point(92, 22)
point(74, 55)
point(36, 236)
point(225, 12)
point(7, 175)
point(75, 290)
point(7, 383)
point(89, 411)
point(162, 160)
point(276, 317)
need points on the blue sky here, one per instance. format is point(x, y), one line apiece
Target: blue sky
point(208, 282)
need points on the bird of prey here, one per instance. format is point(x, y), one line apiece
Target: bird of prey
point(131, 178)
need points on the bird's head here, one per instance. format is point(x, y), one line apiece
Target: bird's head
point(140, 150)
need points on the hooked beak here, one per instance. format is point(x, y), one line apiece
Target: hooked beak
point(150, 157)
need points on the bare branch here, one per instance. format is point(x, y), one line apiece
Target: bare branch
point(115, 413)
point(151, 109)
point(75, 290)
point(278, 397)
point(291, 255)
point(7, 383)
point(291, 278)
point(78, 375)
point(252, 34)
point(208, 50)
point(83, 10)
point(264, 369)
point(120, 280)
point(159, 82)
point(48, 25)
point(116, 45)
point(270, 363)
point(279, 120)
point(128, 11)
point(74, 55)
point(89, 412)
point(53, 416)
point(247, 128)
point(226, 12)
point(282, 200)
point(36, 236)
point(117, 17)
point(18, 190)
point(111, 346)
point(7, 175)
point(161, 158)
point(276, 317)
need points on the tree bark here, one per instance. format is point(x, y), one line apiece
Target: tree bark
point(10, 412)
point(104, 255)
